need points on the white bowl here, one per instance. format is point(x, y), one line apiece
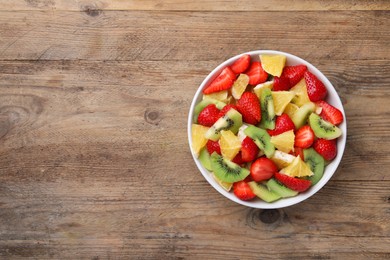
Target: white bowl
point(330, 169)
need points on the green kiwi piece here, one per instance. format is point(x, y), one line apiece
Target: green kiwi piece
point(226, 170)
point(267, 110)
point(262, 139)
point(323, 129)
point(204, 158)
point(280, 189)
point(232, 121)
point(316, 163)
point(263, 192)
point(300, 116)
point(204, 103)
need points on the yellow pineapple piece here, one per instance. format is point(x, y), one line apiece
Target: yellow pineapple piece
point(290, 109)
point(297, 168)
point(282, 159)
point(230, 144)
point(240, 85)
point(220, 96)
point(198, 138)
point(284, 141)
point(281, 100)
point(300, 91)
point(273, 64)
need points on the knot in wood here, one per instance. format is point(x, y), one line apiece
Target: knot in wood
point(91, 10)
point(269, 216)
point(152, 117)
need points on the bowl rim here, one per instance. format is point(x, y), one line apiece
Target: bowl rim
point(330, 168)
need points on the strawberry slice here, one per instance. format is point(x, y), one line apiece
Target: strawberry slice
point(281, 83)
point(209, 115)
point(226, 108)
point(326, 148)
point(242, 190)
point(224, 81)
point(298, 151)
point(296, 184)
point(256, 74)
point(316, 90)
point(294, 73)
point(238, 159)
point(213, 146)
point(262, 169)
point(249, 107)
point(304, 137)
point(249, 150)
point(283, 124)
point(242, 64)
point(330, 113)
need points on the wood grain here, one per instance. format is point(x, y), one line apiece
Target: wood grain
point(94, 157)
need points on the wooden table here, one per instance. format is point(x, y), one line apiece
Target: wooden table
point(94, 157)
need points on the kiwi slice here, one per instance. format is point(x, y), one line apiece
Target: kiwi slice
point(280, 189)
point(316, 163)
point(204, 158)
point(323, 129)
point(267, 109)
point(263, 192)
point(204, 103)
point(262, 139)
point(232, 121)
point(227, 171)
point(300, 116)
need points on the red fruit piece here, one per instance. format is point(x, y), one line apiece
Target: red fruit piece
point(298, 151)
point(326, 148)
point(262, 169)
point(242, 190)
point(226, 108)
point(304, 137)
point(224, 81)
point(256, 74)
point(283, 123)
point(281, 83)
point(330, 113)
point(249, 150)
point(209, 115)
point(316, 90)
point(296, 184)
point(249, 107)
point(213, 146)
point(238, 159)
point(242, 64)
point(294, 73)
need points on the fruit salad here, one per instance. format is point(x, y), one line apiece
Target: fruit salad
point(264, 129)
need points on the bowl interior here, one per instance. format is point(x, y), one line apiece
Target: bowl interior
point(330, 169)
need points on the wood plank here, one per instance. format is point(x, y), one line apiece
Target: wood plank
point(107, 218)
point(202, 5)
point(139, 35)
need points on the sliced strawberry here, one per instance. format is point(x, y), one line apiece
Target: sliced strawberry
point(209, 115)
point(238, 159)
point(296, 184)
point(326, 148)
point(316, 90)
point(262, 169)
point(330, 113)
point(281, 83)
point(242, 190)
point(213, 146)
point(256, 74)
point(294, 73)
point(298, 151)
point(242, 64)
point(249, 150)
point(224, 81)
point(283, 124)
point(304, 137)
point(249, 107)
point(226, 108)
